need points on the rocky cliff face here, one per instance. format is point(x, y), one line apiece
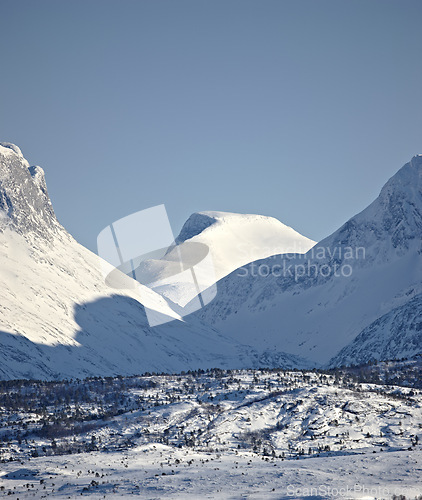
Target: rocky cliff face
point(24, 202)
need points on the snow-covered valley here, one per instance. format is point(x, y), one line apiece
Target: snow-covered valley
point(217, 434)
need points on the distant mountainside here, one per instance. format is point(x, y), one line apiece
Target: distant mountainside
point(395, 335)
point(233, 240)
point(355, 296)
point(58, 318)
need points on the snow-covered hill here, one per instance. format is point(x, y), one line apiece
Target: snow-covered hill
point(316, 304)
point(222, 434)
point(233, 240)
point(58, 318)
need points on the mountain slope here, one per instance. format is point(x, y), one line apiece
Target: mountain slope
point(59, 319)
point(316, 304)
point(396, 334)
point(233, 240)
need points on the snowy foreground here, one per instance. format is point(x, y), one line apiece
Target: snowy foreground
point(159, 471)
point(215, 434)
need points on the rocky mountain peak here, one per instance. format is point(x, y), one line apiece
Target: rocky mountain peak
point(24, 202)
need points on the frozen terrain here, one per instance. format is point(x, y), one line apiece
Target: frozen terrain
point(220, 434)
point(155, 472)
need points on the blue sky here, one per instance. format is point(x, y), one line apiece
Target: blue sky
point(297, 109)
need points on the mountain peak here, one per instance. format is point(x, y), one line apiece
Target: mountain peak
point(407, 180)
point(24, 202)
point(199, 222)
point(392, 223)
point(12, 148)
point(233, 240)
point(196, 223)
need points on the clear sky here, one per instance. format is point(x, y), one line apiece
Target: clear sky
point(297, 109)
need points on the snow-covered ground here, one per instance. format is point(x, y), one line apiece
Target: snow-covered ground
point(235, 434)
point(158, 472)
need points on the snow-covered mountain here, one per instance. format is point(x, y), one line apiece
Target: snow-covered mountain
point(353, 297)
point(356, 290)
point(233, 240)
point(58, 318)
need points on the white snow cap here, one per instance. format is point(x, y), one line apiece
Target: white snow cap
point(198, 222)
point(12, 147)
